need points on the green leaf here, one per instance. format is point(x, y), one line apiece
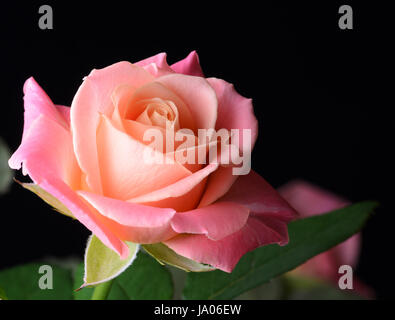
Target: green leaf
point(103, 264)
point(309, 288)
point(297, 287)
point(323, 293)
point(22, 283)
point(78, 276)
point(48, 198)
point(272, 290)
point(5, 171)
point(2, 295)
point(163, 254)
point(178, 276)
point(308, 237)
point(144, 280)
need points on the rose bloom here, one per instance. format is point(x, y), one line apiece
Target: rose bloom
point(88, 162)
point(310, 200)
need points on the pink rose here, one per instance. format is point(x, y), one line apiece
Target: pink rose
point(310, 200)
point(90, 159)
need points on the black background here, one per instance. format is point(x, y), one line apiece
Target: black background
point(319, 94)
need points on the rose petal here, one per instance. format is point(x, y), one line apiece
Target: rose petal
point(159, 59)
point(310, 200)
point(38, 103)
point(259, 196)
point(127, 213)
point(189, 65)
point(156, 65)
point(65, 113)
point(216, 221)
point(234, 112)
point(182, 195)
point(47, 156)
point(92, 99)
point(197, 93)
point(267, 223)
point(225, 253)
point(133, 222)
point(218, 184)
point(40, 148)
point(128, 109)
point(124, 169)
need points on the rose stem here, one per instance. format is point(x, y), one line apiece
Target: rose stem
point(101, 291)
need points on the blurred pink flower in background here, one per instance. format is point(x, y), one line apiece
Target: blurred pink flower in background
point(310, 200)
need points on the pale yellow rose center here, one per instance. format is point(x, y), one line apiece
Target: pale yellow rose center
point(159, 112)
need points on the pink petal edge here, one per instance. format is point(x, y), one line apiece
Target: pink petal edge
point(267, 223)
point(234, 112)
point(36, 103)
point(92, 99)
point(216, 221)
point(156, 65)
point(44, 157)
point(189, 65)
